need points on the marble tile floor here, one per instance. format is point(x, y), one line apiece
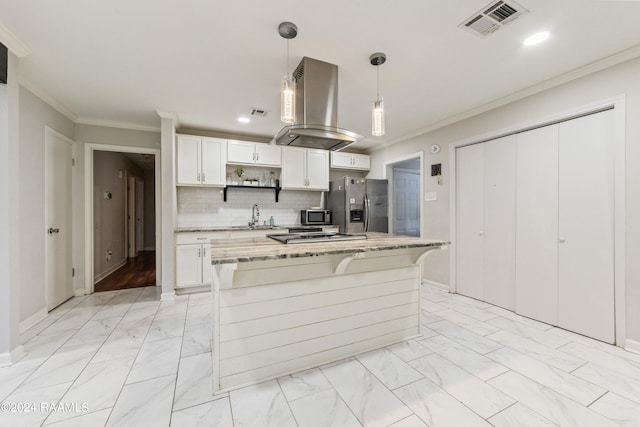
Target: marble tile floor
point(123, 358)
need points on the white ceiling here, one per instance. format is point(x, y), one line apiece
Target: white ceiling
point(209, 61)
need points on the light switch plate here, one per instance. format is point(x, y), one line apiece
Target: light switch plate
point(430, 197)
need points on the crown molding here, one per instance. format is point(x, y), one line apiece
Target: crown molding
point(13, 43)
point(116, 124)
point(40, 93)
point(601, 64)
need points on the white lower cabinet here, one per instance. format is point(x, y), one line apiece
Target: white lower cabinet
point(540, 239)
point(193, 258)
point(191, 266)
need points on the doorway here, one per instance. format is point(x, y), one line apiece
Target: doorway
point(405, 187)
point(123, 217)
point(58, 193)
point(406, 198)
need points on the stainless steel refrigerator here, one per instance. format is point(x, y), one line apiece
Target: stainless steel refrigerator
point(359, 205)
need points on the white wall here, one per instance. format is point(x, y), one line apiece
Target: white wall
point(149, 210)
point(35, 114)
point(10, 348)
point(614, 81)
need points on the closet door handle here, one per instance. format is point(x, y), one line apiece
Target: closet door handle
point(481, 233)
point(561, 240)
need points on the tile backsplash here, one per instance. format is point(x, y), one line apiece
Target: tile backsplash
point(204, 207)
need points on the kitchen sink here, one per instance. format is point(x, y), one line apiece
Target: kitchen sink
point(255, 227)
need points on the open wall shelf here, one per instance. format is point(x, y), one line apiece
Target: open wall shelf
point(276, 189)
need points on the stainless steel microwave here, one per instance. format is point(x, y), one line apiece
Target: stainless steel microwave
point(315, 217)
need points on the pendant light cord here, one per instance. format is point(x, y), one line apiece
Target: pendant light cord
point(378, 83)
point(287, 74)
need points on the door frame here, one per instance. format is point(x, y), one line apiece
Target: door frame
point(51, 132)
point(618, 105)
point(387, 173)
point(130, 216)
point(89, 148)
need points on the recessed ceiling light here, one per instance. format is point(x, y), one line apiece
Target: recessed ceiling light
point(244, 120)
point(536, 38)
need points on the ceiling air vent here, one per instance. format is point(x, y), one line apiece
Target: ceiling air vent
point(493, 17)
point(260, 112)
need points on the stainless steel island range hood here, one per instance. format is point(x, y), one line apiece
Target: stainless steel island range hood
point(316, 115)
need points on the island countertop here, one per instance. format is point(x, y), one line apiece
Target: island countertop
point(264, 248)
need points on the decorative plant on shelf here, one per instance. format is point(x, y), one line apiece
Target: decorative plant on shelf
point(239, 172)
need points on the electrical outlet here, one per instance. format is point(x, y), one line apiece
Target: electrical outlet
point(109, 254)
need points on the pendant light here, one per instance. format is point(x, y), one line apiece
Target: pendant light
point(288, 30)
point(377, 117)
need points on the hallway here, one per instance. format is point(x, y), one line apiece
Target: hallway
point(138, 272)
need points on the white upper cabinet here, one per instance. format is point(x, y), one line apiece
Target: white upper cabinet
point(200, 161)
point(212, 163)
point(268, 155)
point(188, 160)
point(252, 153)
point(340, 160)
point(305, 169)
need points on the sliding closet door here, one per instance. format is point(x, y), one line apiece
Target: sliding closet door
point(470, 210)
point(500, 221)
point(537, 224)
point(586, 221)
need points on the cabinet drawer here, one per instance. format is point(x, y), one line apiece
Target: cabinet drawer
point(198, 238)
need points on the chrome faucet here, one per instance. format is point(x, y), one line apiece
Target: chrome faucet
point(255, 216)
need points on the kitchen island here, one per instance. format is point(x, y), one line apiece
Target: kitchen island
point(281, 308)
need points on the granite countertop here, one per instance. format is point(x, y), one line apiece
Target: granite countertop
point(264, 248)
point(245, 228)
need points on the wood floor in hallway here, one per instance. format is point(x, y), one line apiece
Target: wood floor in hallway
point(136, 273)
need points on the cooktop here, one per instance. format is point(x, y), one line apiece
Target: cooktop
point(315, 237)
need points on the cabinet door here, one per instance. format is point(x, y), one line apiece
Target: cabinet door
point(268, 155)
point(213, 164)
point(317, 170)
point(188, 265)
point(586, 225)
point(340, 160)
point(293, 168)
point(361, 161)
point(207, 267)
point(470, 228)
point(188, 160)
point(241, 152)
point(500, 222)
point(537, 224)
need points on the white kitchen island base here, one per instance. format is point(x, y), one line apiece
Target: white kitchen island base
point(279, 316)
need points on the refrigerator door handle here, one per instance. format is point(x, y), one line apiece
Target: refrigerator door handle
point(366, 213)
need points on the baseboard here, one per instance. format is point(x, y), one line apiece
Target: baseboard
point(79, 292)
point(11, 357)
point(109, 271)
point(32, 320)
point(436, 284)
point(167, 296)
point(632, 345)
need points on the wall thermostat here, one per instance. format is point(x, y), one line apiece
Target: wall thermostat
point(435, 149)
